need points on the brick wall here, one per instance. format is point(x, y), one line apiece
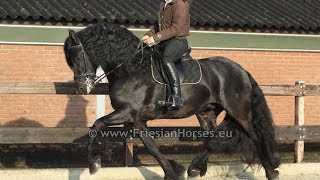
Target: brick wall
point(21, 63)
point(37, 63)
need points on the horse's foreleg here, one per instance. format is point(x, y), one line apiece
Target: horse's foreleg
point(172, 170)
point(115, 118)
point(96, 144)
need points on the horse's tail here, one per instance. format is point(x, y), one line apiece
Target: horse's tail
point(234, 140)
point(262, 120)
point(238, 140)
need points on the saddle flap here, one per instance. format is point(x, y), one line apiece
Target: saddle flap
point(189, 71)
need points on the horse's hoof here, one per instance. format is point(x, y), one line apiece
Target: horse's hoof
point(193, 173)
point(94, 167)
point(274, 175)
point(203, 169)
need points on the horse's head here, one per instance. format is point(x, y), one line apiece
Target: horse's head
point(77, 59)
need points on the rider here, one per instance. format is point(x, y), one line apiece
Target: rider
point(170, 32)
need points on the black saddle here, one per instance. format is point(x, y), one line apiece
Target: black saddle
point(189, 70)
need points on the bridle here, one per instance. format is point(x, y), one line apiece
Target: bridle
point(88, 72)
point(89, 82)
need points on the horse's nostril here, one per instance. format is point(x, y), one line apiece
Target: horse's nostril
point(81, 90)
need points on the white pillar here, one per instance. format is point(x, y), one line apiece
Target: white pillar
point(100, 99)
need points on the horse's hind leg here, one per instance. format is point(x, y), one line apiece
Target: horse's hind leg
point(171, 169)
point(207, 120)
point(199, 164)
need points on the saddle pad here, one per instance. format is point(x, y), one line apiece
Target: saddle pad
point(189, 72)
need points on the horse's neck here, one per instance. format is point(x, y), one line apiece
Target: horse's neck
point(136, 67)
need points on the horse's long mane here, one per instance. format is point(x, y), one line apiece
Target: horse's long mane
point(108, 45)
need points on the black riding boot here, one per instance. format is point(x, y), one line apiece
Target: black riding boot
point(175, 100)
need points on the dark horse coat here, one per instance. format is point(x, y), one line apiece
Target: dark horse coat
point(134, 95)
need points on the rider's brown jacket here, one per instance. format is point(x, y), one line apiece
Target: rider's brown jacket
point(173, 21)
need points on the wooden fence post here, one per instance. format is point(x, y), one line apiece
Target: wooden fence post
point(299, 121)
point(128, 151)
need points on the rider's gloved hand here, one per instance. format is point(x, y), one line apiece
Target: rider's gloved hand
point(144, 38)
point(150, 41)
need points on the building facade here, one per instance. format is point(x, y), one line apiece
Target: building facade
point(272, 40)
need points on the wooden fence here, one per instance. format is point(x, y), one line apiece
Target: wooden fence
point(13, 135)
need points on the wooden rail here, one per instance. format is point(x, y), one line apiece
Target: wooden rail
point(298, 133)
point(102, 88)
point(47, 88)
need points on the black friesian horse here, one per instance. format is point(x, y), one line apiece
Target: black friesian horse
point(134, 95)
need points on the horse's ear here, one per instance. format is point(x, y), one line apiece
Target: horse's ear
point(73, 36)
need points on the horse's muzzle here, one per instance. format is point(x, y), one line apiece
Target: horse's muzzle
point(94, 166)
point(84, 89)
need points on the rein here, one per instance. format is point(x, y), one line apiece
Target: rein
point(140, 48)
